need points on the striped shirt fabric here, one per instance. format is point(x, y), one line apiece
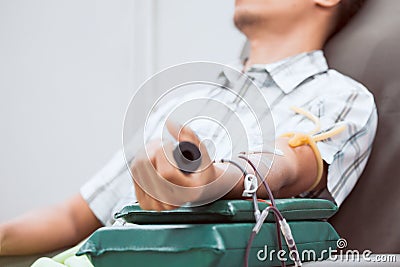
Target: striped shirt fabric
point(304, 81)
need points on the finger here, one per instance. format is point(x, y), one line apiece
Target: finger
point(167, 167)
point(160, 206)
point(145, 177)
point(146, 201)
point(153, 183)
point(140, 196)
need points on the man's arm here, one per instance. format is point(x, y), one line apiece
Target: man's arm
point(290, 175)
point(50, 229)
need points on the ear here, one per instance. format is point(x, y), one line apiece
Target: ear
point(327, 3)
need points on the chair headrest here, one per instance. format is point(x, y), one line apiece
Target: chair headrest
point(367, 49)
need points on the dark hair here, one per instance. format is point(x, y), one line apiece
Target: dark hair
point(346, 11)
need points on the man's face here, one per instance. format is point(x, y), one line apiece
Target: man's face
point(280, 12)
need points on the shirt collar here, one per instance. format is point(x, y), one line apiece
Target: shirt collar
point(289, 73)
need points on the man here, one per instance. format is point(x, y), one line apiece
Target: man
point(286, 37)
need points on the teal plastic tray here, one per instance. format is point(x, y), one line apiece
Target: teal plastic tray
point(199, 245)
point(227, 211)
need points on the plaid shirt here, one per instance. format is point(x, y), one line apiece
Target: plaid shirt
point(304, 81)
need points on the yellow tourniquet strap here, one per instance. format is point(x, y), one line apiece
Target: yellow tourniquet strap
point(311, 139)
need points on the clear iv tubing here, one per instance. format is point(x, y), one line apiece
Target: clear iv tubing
point(273, 203)
point(257, 213)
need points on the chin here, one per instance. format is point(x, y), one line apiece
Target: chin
point(245, 17)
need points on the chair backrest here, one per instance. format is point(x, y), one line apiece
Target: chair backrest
point(368, 50)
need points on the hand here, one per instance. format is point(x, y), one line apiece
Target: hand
point(159, 184)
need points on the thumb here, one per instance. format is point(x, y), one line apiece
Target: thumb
point(182, 133)
point(185, 134)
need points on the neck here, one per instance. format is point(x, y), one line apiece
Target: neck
point(269, 47)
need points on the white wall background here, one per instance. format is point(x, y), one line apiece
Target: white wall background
point(67, 72)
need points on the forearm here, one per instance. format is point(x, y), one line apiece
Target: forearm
point(36, 232)
point(48, 229)
point(290, 174)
